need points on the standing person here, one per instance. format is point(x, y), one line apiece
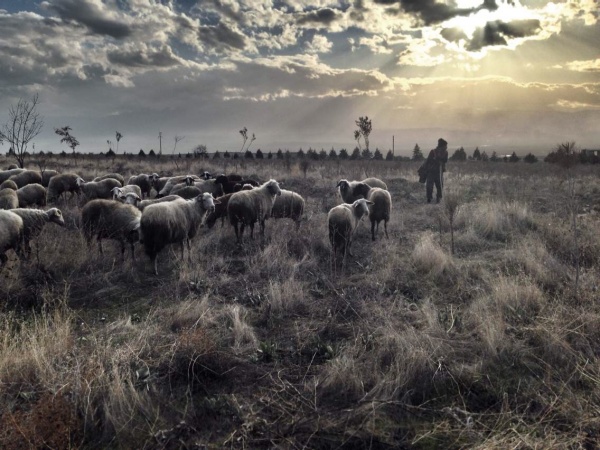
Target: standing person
point(436, 166)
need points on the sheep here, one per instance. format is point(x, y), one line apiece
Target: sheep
point(211, 186)
point(229, 184)
point(145, 203)
point(32, 194)
point(206, 175)
point(143, 181)
point(158, 182)
point(12, 166)
point(46, 176)
point(186, 192)
point(173, 222)
point(249, 207)
point(61, 183)
point(9, 184)
point(221, 208)
point(375, 182)
point(34, 221)
point(26, 177)
point(8, 199)
point(380, 209)
point(114, 176)
point(131, 198)
point(106, 219)
point(11, 231)
point(351, 191)
point(129, 188)
point(288, 205)
point(342, 221)
point(6, 174)
point(98, 189)
point(171, 182)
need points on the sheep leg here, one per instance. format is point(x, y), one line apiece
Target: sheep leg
point(154, 260)
point(122, 251)
point(348, 247)
point(373, 229)
point(385, 228)
point(262, 228)
point(100, 245)
point(132, 251)
point(189, 250)
point(182, 250)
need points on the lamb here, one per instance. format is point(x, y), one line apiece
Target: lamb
point(8, 199)
point(61, 183)
point(173, 222)
point(353, 190)
point(6, 174)
point(11, 230)
point(9, 184)
point(143, 181)
point(288, 205)
point(249, 207)
point(32, 195)
point(114, 176)
point(106, 219)
point(380, 209)
point(98, 189)
point(145, 203)
point(34, 221)
point(46, 176)
point(343, 220)
point(26, 177)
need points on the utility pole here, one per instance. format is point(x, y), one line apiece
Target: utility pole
point(393, 138)
point(160, 142)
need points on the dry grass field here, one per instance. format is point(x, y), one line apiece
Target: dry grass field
point(267, 345)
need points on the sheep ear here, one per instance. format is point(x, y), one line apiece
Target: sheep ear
point(339, 183)
point(369, 202)
point(216, 202)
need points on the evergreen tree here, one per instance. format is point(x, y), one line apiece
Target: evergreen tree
point(248, 155)
point(226, 154)
point(300, 153)
point(151, 153)
point(322, 154)
point(377, 155)
point(417, 153)
point(279, 154)
point(514, 157)
point(270, 155)
point(332, 154)
point(459, 155)
point(477, 154)
point(343, 154)
point(142, 153)
point(259, 154)
point(494, 157)
point(389, 156)
point(530, 158)
point(355, 154)
point(484, 156)
point(366, 154)
point(217, 155)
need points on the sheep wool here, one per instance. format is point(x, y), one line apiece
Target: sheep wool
point(8, 199)
point(6, 174)
point(143, 181)
point(288, 205)
point(173, 222)
point(34, 221)
point(114, 176)
point(60, 184)
point(342, 221)
point(11, 228)
point(9, 184)
point(98, 189)
point(249, 207)
point(26, 177)
point(380, 209)
point(32, 195)
point(145, 203)
point(47, 175)
point(351, 191)
point(107, 219)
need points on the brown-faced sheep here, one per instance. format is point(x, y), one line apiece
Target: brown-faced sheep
point(34, 221)
point(106, 219)
point(11, 229)
point(9, 184)
point(114, 176)
point(343, 220)
point(8, 199)
point(60, 184)
point(380, 209)
point(173, 222)
point(26, 177)
point(32, 195)
point(249, 207)
point(143, 181)
point(288, 205)
point(98, 189)
point(351, 191)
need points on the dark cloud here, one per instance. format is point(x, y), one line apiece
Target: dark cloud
point(432, 12)
point(324, 16)
point(90, 16)
point(143, 58)
point(453, 34)
point(221, 36)
point(496, 33)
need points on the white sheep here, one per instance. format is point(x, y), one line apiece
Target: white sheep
point(6, 174)
point(11, 229)
point(172, 182)
point(34, 221)
point(129, 188)
point(288, 205)
point(130, 198)
point(173, 222)
point(343, 220)
point(351, 191)
point(145, 203)
point(26, 177)
point(32, 195)
point(98, 189)
point(249, 207)
point(380, 209)
point(211, 186)
point(60, 184)
point(9, 184)
point(8, 199)
point(106, 219)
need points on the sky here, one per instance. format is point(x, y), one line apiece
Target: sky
point(500, 75)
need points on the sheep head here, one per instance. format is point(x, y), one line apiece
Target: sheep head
point(154, 178)
point(189, 181)
point(361, 189)
point(361, 207)
point(79, 182)
point(117, 193)
point(343, 185)
point(55, 215)
point(207, 201)
point(206, 176)
point(273, 187)
point(131, 198)
point(222, 179)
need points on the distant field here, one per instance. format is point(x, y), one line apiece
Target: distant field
point(267, 345)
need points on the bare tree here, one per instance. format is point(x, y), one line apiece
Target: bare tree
point(67, 137)
point(364, 130)
point(251, 141)
point(244, 133)
point(24, 124)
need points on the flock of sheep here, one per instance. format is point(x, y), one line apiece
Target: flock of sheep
point(125, 212)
